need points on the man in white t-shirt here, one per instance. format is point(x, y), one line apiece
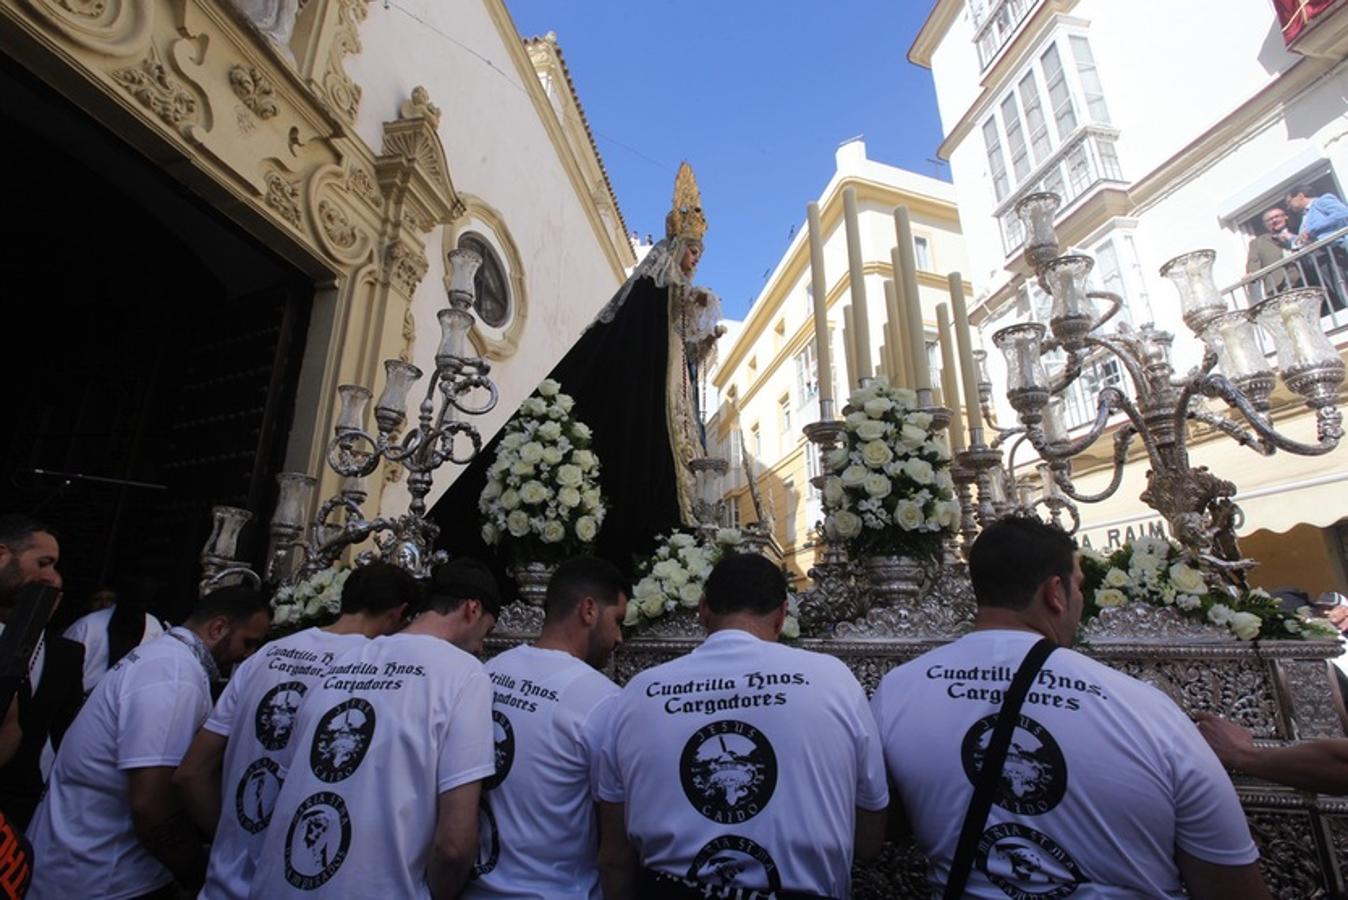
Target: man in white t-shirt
point(111, 825)
point(746, 765)
point(1107, 789)
point(537, 823)
point(91, 631)
point(381, 786)
point(231, 774)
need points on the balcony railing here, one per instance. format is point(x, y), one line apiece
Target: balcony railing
point(1086, 159)
point(1321, 264)
point(998, 26)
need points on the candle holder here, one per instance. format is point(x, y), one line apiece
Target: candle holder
point(458, 387)
point(220, 565)
point(1196, 504)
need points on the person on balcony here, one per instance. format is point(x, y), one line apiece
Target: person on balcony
point(1320, 216)
point(1270, 247)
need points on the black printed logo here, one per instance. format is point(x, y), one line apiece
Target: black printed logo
point(317, 841)
point(1026, 864)
point(341, 740)
point(255, 797)
point(734, 861)
point(504, 736)
point(1034, 777)
point(729, 771)
point(488, 840)
point(275, 717)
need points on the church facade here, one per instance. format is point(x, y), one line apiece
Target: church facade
point(228, 209)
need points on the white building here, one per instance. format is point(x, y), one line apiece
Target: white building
point(1165, 127)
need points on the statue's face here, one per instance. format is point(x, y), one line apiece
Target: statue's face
point(692, 252)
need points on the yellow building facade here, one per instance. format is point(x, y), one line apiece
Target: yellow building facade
point(766, 383)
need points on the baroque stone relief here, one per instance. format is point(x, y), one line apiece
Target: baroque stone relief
point(151, 83)
point(254, 89)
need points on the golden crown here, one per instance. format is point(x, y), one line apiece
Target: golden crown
point(685, 220)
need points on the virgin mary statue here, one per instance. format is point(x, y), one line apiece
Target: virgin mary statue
point(634, 374)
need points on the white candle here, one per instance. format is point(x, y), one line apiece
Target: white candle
point(912, 301)
point(950, 392)
point(902, 349)
point(819, 286)
point(893, 338)
point(964, 339)
point(849, 343)
point(860, 315)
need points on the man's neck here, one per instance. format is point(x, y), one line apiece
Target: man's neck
point(356, 623)
point(759, 626)
point(991, 618)
point(561, 639)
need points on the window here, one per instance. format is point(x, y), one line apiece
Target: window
point(784, 413)
point(807, 374)
point(1015, 137)
point(731, 512)
point(789, 521)
point(811, 461)
point(1090, 79)
point(922, 253)
point(755, 441)
point(1034, 118)
point(996, 164)
point(492, 302)
point(1059, 97)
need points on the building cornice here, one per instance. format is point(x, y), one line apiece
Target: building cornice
point(933, 31)
point(619, 253)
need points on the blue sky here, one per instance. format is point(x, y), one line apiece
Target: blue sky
point(757, 95)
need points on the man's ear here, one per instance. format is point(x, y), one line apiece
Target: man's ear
point(1054, 594)
point(5, 554)
point(217, 628)
point(703, 613)
point(589, 611)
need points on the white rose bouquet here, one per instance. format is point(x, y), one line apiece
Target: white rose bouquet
point(315, 600)
point(542, 501)
point(1154, 570)
point(889, 488)
point(674, 576)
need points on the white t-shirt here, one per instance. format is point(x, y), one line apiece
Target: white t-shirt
point(92, 632)
point(744, 763)
point(257, 713)
point(537, 835)
point(1105, 776)
point(143, 714)
point(389, 727)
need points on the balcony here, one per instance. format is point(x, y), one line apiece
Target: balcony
point(1086, 159)
point(1321, 264)
point(1314, 27)
point(998, 26)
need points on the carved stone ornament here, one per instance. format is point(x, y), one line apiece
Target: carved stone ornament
point(412, 169)
point(254, 89)
point(150, 83)
point(342, 93)
point(336, 225)
point(118, 28)
point(404, 267)
point(284, 197)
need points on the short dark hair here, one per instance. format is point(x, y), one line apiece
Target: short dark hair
point(236, 602)
point(580, 577)
point(1013, 556)
point(378, 587)
point(17, 530)
point(745, 582)
point(1297, 190)
point(463, 579)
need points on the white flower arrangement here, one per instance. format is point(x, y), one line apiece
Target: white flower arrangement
point(542, 499)
point(675, 575)
point(317, 598)
point(889, 488)
point(1153, 570)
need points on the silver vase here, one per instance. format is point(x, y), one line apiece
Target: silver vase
point(895, 579)
point(532, 579)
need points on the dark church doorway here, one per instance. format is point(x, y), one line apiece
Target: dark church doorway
point(151, 356)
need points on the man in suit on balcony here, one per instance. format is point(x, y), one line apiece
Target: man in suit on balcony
point(1269, 248)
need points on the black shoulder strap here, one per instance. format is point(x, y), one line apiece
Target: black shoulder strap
point(991, 773)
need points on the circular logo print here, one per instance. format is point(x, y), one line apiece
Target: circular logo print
point(1034, 777)
point(341, 739)
point(504, 736)
point(729, 771)
point(275, 716)
point(255, 797)
point(317, 841)
point(1026, 864)
point(734, 861)
point(488, 840)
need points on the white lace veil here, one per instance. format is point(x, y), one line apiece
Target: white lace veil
point(661, 265)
